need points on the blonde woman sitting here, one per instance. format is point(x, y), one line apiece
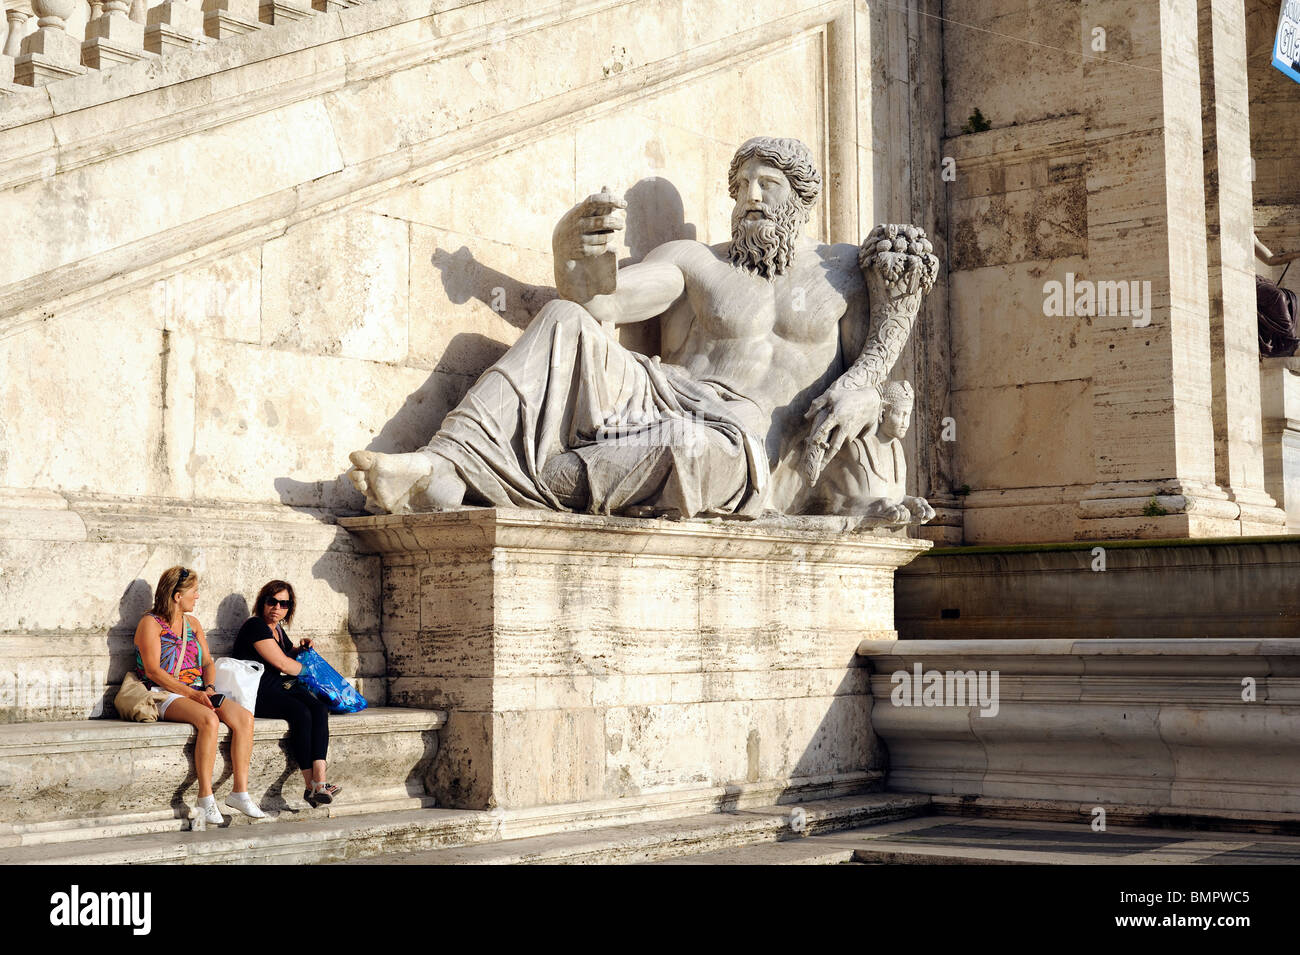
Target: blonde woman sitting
point(172, 660)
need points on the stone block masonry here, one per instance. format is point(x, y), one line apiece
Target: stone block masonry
point(584, 658)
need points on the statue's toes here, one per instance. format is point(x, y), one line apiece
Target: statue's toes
point(358, 479)
point(364, 460)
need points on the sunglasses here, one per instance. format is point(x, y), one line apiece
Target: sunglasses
point(180, 581)
point(274, 602)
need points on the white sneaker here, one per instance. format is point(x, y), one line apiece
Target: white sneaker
point(242, 802)
point(211, 814)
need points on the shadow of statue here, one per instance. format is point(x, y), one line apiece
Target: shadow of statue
point(464, 278)
point(655, 215)
point(466, 357)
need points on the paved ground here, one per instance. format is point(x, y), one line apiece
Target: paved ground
point(945, 839)
point(735, 839)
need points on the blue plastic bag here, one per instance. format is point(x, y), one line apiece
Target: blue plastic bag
point(324, 681)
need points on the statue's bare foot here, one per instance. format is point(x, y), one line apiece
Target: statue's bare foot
point(401, 483)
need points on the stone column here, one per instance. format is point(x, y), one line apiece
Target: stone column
point(1152, 423)
point(17, 20)
point(1234, 340)
point(223, 18)
point(14, 38)
point(174, 25)
point(113, 37)
point(50, 53)
point(1279, 386)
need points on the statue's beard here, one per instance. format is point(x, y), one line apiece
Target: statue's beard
point(766, 246)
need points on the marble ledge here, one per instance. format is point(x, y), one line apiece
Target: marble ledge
point(1039, 653)
point(812, 539)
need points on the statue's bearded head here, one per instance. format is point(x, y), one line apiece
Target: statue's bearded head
point(774, 184)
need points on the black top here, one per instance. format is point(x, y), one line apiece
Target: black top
point(254, 630)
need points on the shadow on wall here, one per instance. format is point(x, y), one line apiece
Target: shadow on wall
point(136, 601)
point(655, 215)
point(231, 614)
point(465, 277)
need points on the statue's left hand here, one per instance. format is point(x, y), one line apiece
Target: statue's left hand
point(838, 414)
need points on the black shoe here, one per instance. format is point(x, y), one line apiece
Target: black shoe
point(320, 797)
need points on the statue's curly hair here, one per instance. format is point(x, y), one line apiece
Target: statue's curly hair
point(790, 156)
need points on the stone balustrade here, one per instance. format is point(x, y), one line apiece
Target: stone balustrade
point(48, 40)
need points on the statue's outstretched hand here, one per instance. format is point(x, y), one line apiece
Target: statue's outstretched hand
point(583, 235)
point(839, 414)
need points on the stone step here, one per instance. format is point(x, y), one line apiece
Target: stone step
point(671, 839)
point(447, 836)
point(84, 780)
point(808, 851)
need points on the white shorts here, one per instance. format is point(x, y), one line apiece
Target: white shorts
point(162, 707)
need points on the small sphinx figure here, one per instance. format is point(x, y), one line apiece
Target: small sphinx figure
point(869, 475)
point(773, 348)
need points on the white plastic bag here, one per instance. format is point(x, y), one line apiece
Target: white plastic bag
point(238, 679)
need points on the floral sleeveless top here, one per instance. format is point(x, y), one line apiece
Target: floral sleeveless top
point(191, 671)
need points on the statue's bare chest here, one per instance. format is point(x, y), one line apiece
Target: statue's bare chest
point(802, 307)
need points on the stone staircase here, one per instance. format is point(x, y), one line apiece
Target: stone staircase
point(51, 40)
point(450, 836)
point(79, 783)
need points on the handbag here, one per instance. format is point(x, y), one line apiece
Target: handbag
point(327, 685)
point(239, 680)
point(138, 703)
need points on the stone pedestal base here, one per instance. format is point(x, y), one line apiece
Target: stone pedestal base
point(174, 26)
point(111, 39)
point(1200, 728)
point(1174, 509)
point(585, 658)
point(284, 11)
point(224, 18)
point(48, 55)
point(1189, 589)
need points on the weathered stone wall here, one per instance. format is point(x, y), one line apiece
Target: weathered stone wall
point(238, 264)
point(1116, 151)
point(1018, 216)
point(1274, 132)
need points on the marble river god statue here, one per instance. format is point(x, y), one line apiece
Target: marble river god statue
point(774, 350)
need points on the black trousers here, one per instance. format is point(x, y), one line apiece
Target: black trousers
point(309, 727)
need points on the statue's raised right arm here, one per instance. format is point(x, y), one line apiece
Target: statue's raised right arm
point(586, 266)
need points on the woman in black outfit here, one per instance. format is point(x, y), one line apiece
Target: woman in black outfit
point(280, 696)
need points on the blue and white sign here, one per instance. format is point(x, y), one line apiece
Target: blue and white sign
point(1286, 48)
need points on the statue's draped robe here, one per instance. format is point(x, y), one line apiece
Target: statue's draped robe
point(647, 433)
